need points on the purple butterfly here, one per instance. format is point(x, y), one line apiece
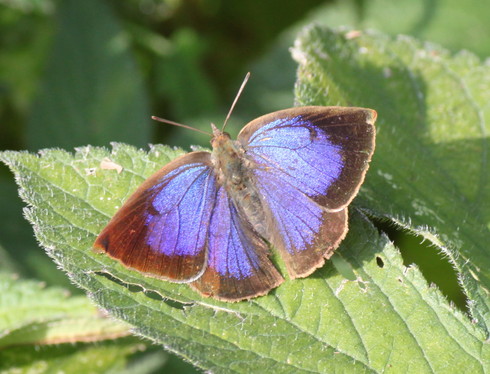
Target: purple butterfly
point(208, 219)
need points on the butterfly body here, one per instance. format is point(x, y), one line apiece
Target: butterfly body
point(233, 171)
point(208, 218)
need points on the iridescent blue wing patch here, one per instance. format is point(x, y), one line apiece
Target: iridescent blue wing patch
point(308, 164)
point(162, 229)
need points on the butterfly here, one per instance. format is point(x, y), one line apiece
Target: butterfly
point(210, 218)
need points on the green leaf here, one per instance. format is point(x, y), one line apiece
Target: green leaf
point(104, 357)
point(322, 323)
point(36, 320)
point(430, 169)
point(32, 314)
point(92, 92)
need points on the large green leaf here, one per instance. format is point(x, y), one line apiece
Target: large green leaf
point(431, 164)
point(386, 316)
point(321, 323)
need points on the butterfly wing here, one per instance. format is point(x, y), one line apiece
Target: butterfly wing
point(180, 225)
point(238, 263)
point(308, 164)
point(162, 229)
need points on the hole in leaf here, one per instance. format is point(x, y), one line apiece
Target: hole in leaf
point(380, 262)
point(433, 265)
point(362, 286)
point(172, 303)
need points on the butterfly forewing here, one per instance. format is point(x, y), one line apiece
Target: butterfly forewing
point(308, 164)
point(162, 229)
point(324, 151)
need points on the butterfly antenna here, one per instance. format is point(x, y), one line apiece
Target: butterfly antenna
point(245, 80)
point(179, 124)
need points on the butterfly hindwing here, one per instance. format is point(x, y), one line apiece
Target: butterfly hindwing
point(238, 263)
point(308, 164)
point(162, 229)
point(303, 231)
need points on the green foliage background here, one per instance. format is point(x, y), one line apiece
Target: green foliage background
point(92, 72)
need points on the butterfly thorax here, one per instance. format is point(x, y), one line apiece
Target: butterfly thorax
point(227, 158)
point(234, 172)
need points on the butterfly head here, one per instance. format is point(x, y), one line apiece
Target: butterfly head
point(219, 137)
